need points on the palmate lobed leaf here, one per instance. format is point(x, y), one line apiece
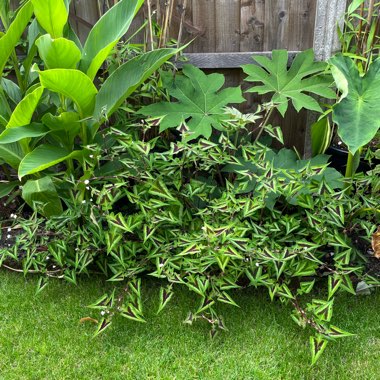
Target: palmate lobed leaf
point(357, 114)
point(304, 76)
point(200, 103)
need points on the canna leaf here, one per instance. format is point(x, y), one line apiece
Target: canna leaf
point(52, 15)
point(11, 38)
point(106, 33)
point(42, 195)
point(58, 53)
point(22, 114)
point(43, 157)
point(127, 78)
point(72, 84)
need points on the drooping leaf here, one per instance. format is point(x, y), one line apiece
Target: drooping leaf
point(200, 99)
point(52, 15)
point(42, 195)
point(304, 76)
point(13, 35)
point(15, 134)
point(106, 33)
point(12, 90)
point(22, 114)
point(7, 187)
point(65, 127)
point(124, 81)
point(357, 113)
point(73, 84)
point(43, 157)
point(58, 53)
point(12, 154)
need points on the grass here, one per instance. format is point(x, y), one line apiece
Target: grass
point(41, 338)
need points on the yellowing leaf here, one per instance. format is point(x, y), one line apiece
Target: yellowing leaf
point(376, 243)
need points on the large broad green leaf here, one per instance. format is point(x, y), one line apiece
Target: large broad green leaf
point(15, 134)
point(42, 195)
point(303, 76)
point(58, 53)
point(12, 154)
point(43, 157)
point(7, 187)
point(358, 112)
point(106, 33)
point(22, 114)
point(64, 128)
point(11, 89)
point(124, 81)
point(14, 33)
point(73, 84)
point(52, 15)
point(200, 100)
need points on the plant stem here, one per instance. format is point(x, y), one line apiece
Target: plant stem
point(264, 122)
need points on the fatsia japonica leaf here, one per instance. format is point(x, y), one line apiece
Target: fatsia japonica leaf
point(357, 113)
point(304, 76)
point(201, 102)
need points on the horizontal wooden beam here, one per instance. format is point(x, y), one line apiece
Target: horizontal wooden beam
point(225, 60)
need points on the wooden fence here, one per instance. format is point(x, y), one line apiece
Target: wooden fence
point(228, 32)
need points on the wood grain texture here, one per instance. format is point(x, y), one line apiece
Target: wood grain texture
point(203, 14)
point(227, 25)
point(252, 24)
point(87, 11)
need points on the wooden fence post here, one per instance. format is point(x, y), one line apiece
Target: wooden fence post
point(330, 14)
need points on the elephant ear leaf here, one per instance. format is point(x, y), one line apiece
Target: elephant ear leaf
point(304, 76)
point(106, 33)
point(42, 196)
point(10, 39)
point(200, 103)
point(357, 113)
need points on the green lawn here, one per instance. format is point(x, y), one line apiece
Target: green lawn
point(41, 338)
